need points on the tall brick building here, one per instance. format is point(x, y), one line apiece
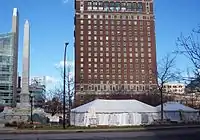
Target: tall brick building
point(115, 49)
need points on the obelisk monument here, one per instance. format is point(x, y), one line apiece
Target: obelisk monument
point(15, 31)
point(25, 95)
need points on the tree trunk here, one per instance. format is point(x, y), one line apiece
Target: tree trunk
point(161, 101)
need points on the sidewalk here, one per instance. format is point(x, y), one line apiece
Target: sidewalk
point(95, 130)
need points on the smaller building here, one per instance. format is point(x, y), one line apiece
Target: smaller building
point(40, 80)
point(37, 90)
point(176, 88)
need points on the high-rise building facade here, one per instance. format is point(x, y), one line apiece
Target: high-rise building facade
point(115, 47)
point(6, 68)
point(9, 62)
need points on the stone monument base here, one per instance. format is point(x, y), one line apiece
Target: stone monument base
point(19, 114)
point(24, 106)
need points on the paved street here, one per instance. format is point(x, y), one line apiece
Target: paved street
point(186, 134)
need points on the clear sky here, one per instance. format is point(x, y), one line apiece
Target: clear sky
point(52, 23)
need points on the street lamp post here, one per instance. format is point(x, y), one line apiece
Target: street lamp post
point(64, 76)
point(31, 99)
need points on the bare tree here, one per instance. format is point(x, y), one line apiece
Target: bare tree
point(190, 47)
point(69, 88)
point(166, 73)
point(70, 92)
point(53, 102)
point(56, 94)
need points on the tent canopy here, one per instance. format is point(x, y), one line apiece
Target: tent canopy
point(100, 105)
point(175, 106)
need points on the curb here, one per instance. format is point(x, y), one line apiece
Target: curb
point(96, 130)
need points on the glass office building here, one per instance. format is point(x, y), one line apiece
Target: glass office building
point(6, 68)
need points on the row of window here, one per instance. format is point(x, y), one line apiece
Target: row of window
point(112, 60)
point(119, 77)
point(5, 87)
point(113, 49)
point(115, 6)
point(118, 54)
point(114, 22)
point(116, 43)
point(101, 87)
point(117, 17)
point(101, 70)
point(5, 77)
point(124, 66)
point(114, 38)
point(169, 86)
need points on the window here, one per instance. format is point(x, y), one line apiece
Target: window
point(107, 65)
point(95, 48)
point(149, 60)
point(81, 16)
point(149, 54)
point(124, 22)
point(113, 60)
point(95, 16)
point(81, 21)
point(89, 21)
point(136, 38)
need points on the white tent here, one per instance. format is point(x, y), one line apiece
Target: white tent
point(178, 112)
point(113, 112)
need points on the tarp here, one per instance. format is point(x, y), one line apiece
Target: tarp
point(175, 111)
point(100, 105)
point(175, 106)
point(113, 113)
